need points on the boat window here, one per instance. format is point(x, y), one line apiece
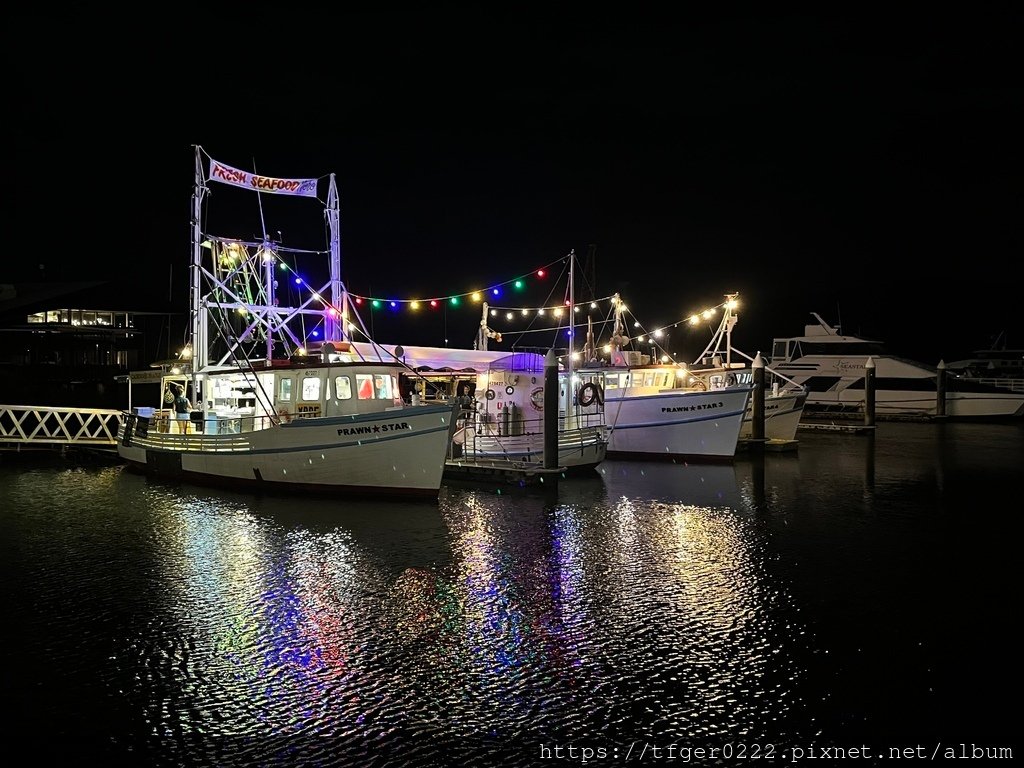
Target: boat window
point(311, 388)
point(382, 386)
point(649, 379)
point(343, 387)
point(846, 348)
point(779, 352)
point(284, 391)
point(364, 386)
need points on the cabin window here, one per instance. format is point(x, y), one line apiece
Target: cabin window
point(311, 388)
point(343, 388)
point(780, 350)
point(649, 379)
point(364, 386)
point(284, 392)
point(382, 386)
point(612, 381)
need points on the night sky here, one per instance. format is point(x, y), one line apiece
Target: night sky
point(866, 167)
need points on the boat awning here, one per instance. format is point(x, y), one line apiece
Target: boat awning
point(431, 358)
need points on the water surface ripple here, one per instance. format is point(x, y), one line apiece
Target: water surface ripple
point(162, 624)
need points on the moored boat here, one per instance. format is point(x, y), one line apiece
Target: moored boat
point(658, 411)
point(998, 366)
point(721, 364)
point(832, 367)
point(267, 414)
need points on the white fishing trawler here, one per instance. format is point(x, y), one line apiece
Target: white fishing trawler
point(658, 410)
point(265, 409)
point(721, 365)
point(831, 365)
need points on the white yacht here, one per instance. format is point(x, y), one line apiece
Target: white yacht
point(998, 366)
point(831, 366)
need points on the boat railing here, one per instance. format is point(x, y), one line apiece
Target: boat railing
point(1001, 382)
point(484, 438)
point(164, 423)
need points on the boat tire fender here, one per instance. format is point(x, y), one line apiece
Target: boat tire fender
point(589, 394)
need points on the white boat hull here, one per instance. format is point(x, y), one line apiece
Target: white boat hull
point(922, 403)
point(675, 424)
point(916, 396)
point(385, 453)
point(782, 414)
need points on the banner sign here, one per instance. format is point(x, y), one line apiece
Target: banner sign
point(228, 175)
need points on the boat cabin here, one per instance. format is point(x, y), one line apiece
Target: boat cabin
point(237, 400)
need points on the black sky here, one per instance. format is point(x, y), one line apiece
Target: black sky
point(866, 166)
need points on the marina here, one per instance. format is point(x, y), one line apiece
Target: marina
point(514, 391)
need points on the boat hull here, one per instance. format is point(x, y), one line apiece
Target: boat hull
point(782, 414)
point(397, 453)
point(838, 384)
point(675, 424)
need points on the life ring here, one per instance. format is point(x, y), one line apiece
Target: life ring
point(589, 394)
point(730, 380)
point(699, 385)
point(490, 394)
point(284, 415)
point(537, 398)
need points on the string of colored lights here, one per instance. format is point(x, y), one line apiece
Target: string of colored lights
point(495, 291)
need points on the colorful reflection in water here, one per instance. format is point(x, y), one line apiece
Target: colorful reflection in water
point(663, 602)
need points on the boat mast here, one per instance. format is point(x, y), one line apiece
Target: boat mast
point(482, 334)
point(729, 320)
point(199, 351)
point(572, 318)
point(338, 292)
point(618, 333)
point(268, 278)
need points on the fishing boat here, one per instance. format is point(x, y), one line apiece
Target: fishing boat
point(501, 398)
point(721, 365)
point(280, 397)
point(658, 410)
point(831, 365)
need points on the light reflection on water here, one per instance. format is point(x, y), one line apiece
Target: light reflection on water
point(660, 602)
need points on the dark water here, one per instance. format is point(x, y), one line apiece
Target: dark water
point(862, 592)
